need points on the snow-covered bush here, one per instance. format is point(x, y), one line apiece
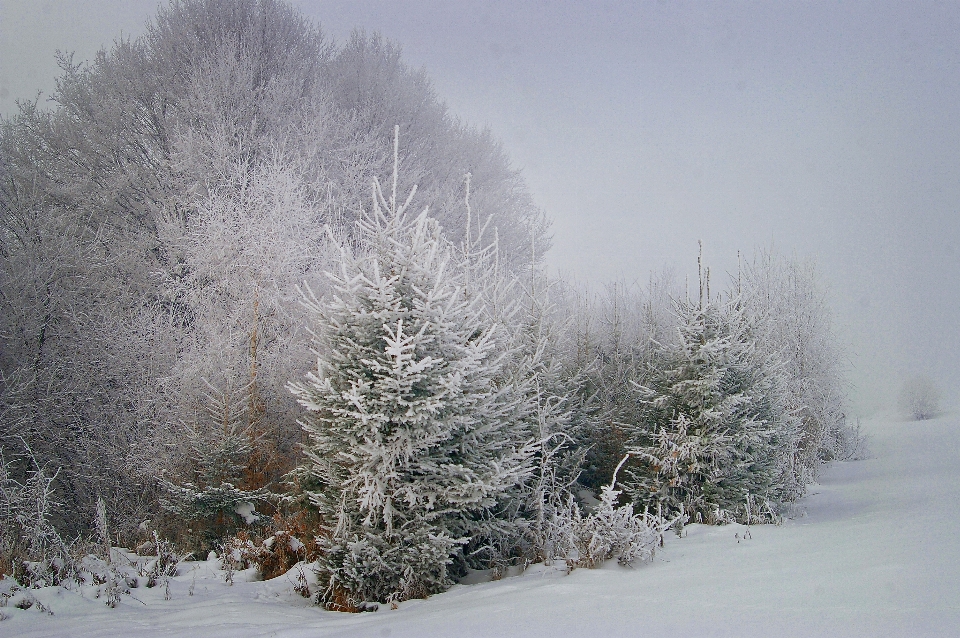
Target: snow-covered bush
point(587, 537)
point(31, 549)
point(160, 568)
point(287, 540)
point(415, 428)
point(920, 398)
point(615, 532)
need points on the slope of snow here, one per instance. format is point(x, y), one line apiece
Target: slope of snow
point(877, 553)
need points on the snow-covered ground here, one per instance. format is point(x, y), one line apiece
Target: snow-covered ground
point(877, 553)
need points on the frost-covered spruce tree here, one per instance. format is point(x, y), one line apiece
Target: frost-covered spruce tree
point(717, 430)
point(563, 412)
point(216, 493)
point(528, 523)
point(412, 426)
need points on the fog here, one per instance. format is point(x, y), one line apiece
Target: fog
point(823, 130)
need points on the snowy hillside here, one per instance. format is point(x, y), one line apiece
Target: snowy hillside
point(875, 554)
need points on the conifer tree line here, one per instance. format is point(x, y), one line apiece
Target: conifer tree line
point(258, 283)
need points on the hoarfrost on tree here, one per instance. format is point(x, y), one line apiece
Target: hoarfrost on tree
point(412, 423)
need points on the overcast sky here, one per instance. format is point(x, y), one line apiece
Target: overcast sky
point(828, 129)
